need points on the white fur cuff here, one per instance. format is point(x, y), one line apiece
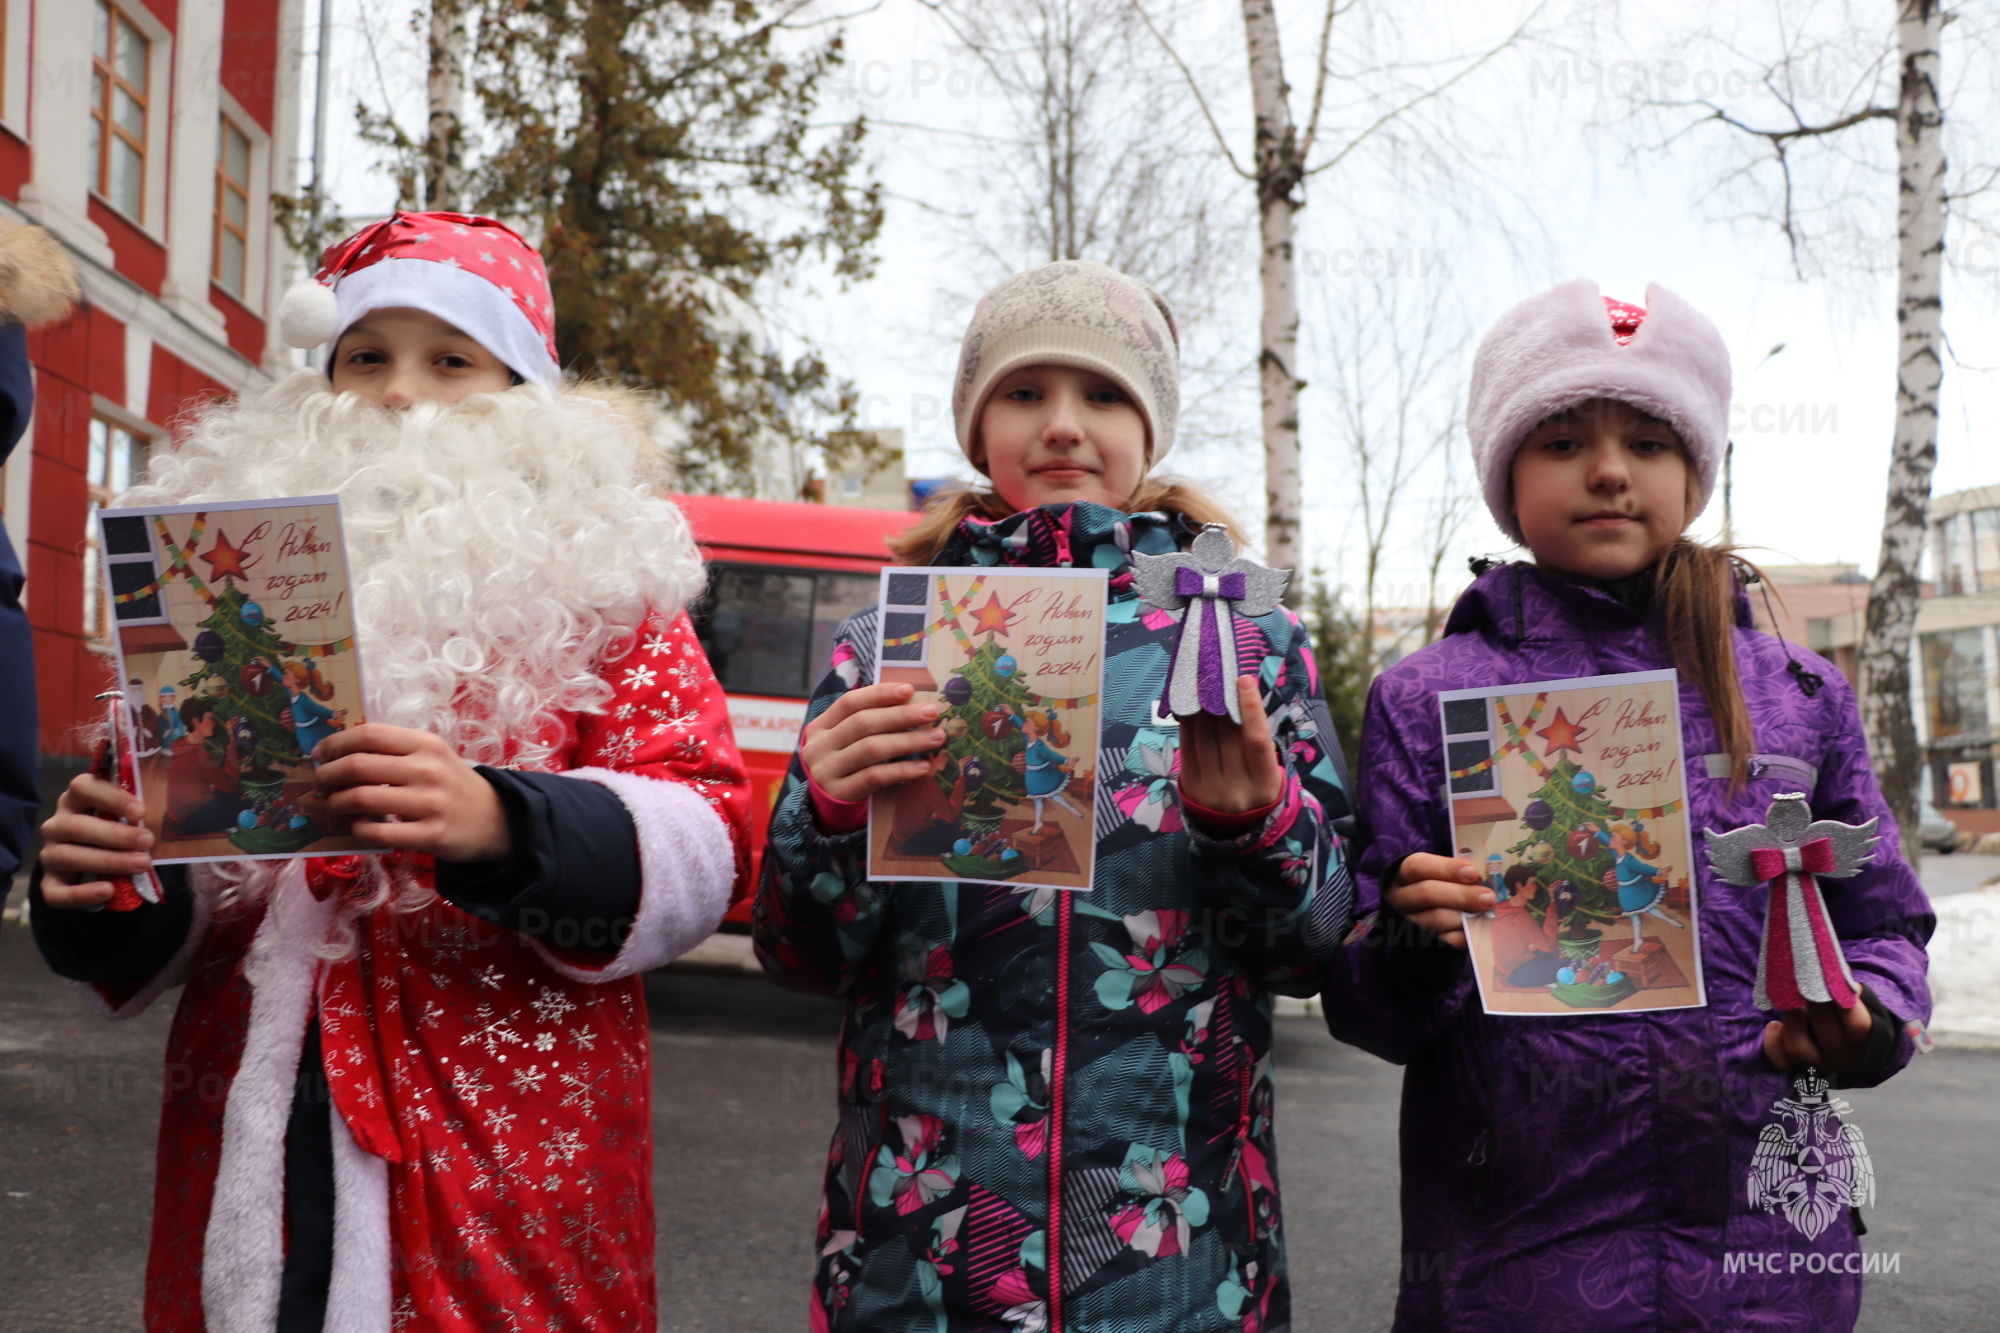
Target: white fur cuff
point(687, 866)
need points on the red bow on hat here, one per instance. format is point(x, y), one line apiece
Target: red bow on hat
point(1625, 319)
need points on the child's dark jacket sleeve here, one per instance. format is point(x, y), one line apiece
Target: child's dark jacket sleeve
point(20, 796)
point(1280, 896)
point(817, 915)
point(1394, 988)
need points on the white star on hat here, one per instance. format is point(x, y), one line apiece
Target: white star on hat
point(486, 257)
point(515, 262)
point(421, 237)
point(508, 290)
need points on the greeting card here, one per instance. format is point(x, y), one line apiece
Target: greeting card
point(1572, 794)
point(234, 630)
point(1016, 662)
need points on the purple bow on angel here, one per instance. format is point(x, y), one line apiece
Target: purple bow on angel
point(1211, 585)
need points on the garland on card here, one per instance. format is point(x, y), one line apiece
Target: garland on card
point(950, 621)
point(1517, 740)
point(949, 618)
point(179, 558)
point(179, 564)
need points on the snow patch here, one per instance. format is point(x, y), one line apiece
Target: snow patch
point(1965, 969)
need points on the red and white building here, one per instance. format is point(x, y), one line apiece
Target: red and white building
point(149, 135)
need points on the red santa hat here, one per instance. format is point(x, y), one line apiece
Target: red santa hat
point(1570, 344)
point(475, 274)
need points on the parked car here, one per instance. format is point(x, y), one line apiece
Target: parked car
point(1934, 831)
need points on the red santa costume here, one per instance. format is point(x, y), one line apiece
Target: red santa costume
point(519, 590)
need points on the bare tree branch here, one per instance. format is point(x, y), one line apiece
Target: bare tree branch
point(1430, 94)
point(1320, 63)
point(1194, 88)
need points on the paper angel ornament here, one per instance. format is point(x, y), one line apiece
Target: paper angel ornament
point(1800, 959)
point(1211, 585)
point(117, 761)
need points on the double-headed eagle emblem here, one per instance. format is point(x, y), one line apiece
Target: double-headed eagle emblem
point(1809, 1165)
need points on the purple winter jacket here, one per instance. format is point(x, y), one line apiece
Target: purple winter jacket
point(1590, 1172)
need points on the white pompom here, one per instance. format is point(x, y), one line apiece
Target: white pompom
point(309, 315)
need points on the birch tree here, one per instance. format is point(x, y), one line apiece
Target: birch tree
point(1821, 119)
point(1891, 625)
point(444, 125)
point(1287, 152)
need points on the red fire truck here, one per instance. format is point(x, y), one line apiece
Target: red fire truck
point(781, 579)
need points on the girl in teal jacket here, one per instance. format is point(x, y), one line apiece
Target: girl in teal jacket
point(1055, 1107)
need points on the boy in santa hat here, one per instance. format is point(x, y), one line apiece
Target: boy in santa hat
point(411, 1090)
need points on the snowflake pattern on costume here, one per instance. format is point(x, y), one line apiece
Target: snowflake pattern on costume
point(551, 1005)
point(510, 1097)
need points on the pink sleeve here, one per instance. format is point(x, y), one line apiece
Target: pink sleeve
point(1223, 825)
point(833, 815)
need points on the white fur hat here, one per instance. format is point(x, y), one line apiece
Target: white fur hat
point(1560, 348)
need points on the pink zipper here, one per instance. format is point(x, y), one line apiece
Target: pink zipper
point(1056, 1079)
point(1245, 1078)
point(876, 1083)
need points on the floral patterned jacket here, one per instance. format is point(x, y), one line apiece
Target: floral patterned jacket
point(1055, 1108)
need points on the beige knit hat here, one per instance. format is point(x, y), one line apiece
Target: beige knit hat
point(1074, 313)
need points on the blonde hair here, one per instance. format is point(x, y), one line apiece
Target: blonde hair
point(1046, 722)
point(947, 509)
point(1635, 833)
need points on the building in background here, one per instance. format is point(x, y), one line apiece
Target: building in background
point(1813, 605)
point(1958, 634)
point(870, 475)
point(1955, 667)
point(149, 135)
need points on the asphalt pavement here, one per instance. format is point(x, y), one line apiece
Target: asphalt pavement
point(743, 1087)
point(1944, 874)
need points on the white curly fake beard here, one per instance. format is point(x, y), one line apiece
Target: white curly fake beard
point(500, 549)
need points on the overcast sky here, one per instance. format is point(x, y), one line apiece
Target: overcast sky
point(1545, 197)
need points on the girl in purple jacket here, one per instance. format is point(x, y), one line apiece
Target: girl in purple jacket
point(1591, 1171)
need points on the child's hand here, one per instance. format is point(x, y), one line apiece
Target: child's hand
point(866, 742)
point(82, 842)
point(1434, 891)
point(1821, 1035)
point(1227, 767)
point(438, 802)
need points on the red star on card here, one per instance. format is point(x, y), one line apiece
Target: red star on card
point(992, 618)
point(1562, 734)
point(225, 561)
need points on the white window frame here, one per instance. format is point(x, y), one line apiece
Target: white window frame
point(96, 580)
point(159, 124)
point(257, 229)
point(15, 65)
point(1490, 736)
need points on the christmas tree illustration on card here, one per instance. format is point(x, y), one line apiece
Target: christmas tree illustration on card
point(1572, 798)
point(236, 617)
point(1013, 661)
